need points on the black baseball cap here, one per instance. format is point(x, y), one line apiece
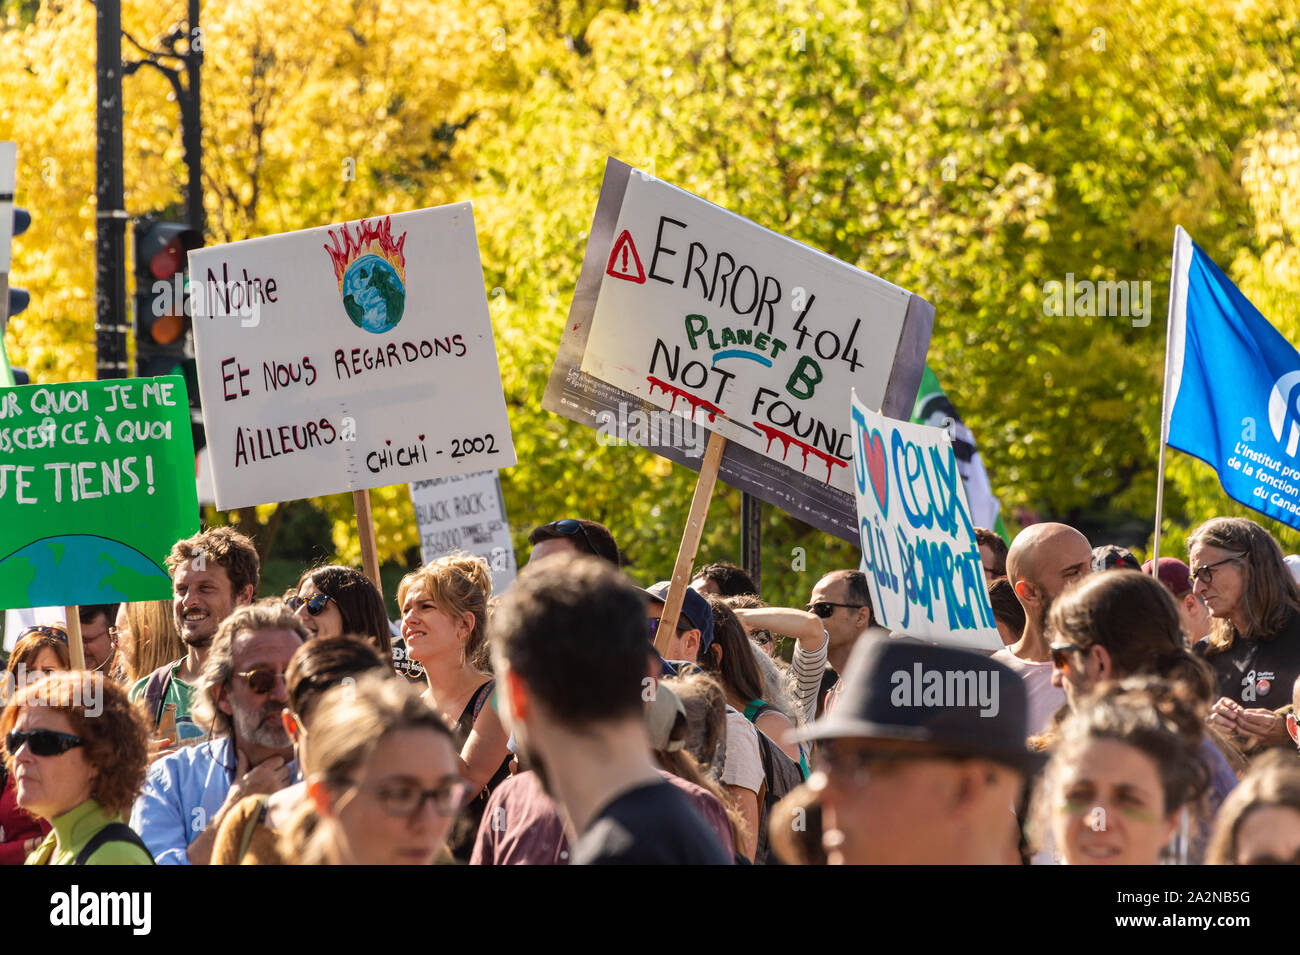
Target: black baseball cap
point(962, 704)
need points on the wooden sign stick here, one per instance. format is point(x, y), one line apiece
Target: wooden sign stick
point(690, 540)
point(75, 649)
point(366, 528)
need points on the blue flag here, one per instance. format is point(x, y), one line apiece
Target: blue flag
point(1233, 383)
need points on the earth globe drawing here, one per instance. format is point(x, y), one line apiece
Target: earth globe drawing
point(373, 294)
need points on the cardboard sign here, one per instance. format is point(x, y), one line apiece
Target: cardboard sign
point(619, 271)
point(96, 484)
point(347, 357)
point(758, 333)
point(467, 513)
point(918, 542)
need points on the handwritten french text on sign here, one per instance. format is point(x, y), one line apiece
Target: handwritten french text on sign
point(466, 512)
point(758, 333)
point(96, 484)
point(918, 543)
point(348, 357)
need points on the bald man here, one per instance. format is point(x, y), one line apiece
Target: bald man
point(1044, 561)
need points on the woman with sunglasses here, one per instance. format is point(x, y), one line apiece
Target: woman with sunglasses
point(444, 623)
point(1123, 768)
point(1124, 623)
point(334, 600)
point(1254, 644)
point(382, 780)
point(77, 752)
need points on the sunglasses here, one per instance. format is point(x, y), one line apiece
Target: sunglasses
point(568, 528)
point(824, 608)
point(261, 680)
point(1061, 654)
point(54, 632)
point(1205, 573)
point(406, 800)
point(41, 742)
point(315, 606)
point(682, 625)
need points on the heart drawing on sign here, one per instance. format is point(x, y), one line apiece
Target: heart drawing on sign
point(876, 470)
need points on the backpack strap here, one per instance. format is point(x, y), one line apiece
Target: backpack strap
point(155, 691)
point(113, 832)
point(481, 697)
point(757, 708)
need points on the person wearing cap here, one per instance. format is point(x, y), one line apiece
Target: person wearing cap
point(1194, 617)
point(1113, 557)
point(923, 758)
point(692, 642)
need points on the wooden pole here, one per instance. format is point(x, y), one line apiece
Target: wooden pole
point(75, 649)
point(690, 540)
point(366, 528)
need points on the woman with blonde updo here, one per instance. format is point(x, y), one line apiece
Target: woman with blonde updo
point(444, 624)
point(382, 779)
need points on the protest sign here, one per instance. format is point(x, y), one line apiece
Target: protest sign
point(96, 484)
point(888, 347)
point(466, 512)
point(347, 357)
point(918, 542)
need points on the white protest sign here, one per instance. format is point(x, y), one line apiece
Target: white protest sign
point(918, 543)
point(466, 512)
point(347, 357)
point(765, 337)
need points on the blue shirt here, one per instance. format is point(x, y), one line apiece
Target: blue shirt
point(182, 795)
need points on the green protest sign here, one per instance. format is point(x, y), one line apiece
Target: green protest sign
point(96, 484)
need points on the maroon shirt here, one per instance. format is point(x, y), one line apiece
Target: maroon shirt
point(521, 826)
point(16, 826)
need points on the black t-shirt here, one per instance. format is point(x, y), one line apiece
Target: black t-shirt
point(650, 825)
point(1258, 673)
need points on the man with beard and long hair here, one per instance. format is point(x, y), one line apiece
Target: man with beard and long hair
point(570, 644)
point(212, 573)
point(1044, 561)
point(238, 701)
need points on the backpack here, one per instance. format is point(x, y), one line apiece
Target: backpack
point(781, 774)
point(113, 832)
point(155, 691)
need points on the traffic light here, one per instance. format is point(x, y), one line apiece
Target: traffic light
point(18, 297)
point(161, 301)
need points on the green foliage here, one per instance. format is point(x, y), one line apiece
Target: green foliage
point(969, 150)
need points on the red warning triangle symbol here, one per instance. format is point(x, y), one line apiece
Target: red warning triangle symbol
point(623, 258)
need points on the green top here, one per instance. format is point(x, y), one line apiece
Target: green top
point(74, 829)
point(180, 693)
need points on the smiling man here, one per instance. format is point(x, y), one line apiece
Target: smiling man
point(212, 573)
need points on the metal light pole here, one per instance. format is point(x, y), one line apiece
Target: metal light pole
point(111, 327)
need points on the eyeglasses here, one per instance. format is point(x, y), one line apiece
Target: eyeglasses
point(405, 799)
point(261, 680)
point(567, 528)
point(41, 742)
point(315, 606)
point(1061, 654)
point(824, 608)
point(854, 766)
point(1205, 573)
point(54, 632)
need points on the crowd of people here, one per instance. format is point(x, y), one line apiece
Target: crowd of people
point(1135, 714)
